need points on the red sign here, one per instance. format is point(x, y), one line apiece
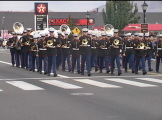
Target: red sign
point(53, 22)
point(41, 8)
point(144, 28)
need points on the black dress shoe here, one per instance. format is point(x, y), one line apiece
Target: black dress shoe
point(150, 69)
point(107, 71)
point(55, 75)
point(89, 74)
point(96, 69)
point(112, 73)
point(78, 71)
point(82, 73)
point(45, 73)
point(144, 73)
point(30, 69)
point(136, 72)
point(119, 74)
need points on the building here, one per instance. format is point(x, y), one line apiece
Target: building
point(27, 18)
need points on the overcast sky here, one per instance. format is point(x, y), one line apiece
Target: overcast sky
point(57, 6)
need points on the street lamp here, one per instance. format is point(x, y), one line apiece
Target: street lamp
point(144, 7)
point(3, 26)
point(87, 16)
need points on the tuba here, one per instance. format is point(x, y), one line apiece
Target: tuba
point(65, 29)
point(18, 27)
point(109, 29)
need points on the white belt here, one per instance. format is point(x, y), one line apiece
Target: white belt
point(129, 47)
point(42, 49)
point(159, 48)
point(93, 47)
point(103, 48)
point(51, 46)
point(75, 48)
point(84, 45)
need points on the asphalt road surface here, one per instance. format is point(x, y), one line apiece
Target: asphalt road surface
point(26, 95)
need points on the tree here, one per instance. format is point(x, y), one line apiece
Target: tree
point(120, 13)
point(71, 25)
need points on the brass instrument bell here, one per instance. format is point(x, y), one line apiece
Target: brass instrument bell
point(84, 42)
point(116, 42)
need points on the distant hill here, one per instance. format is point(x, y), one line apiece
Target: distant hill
point(153, 6)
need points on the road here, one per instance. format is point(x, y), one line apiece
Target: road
point(26, 95)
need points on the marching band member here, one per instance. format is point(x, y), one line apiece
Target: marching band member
point(11, 44)
point(23, 50)
point(94, 52)
point(149, 50)
point(75, 53)
point(18, 50)
point(140, 54)
point(59, 51)
point(51, 44)
point(85, 51)
point(26, 47)
point(34, 53)
point(66, 52)
point(115, 43)
point(103, 57)
point(128, 52)
point(158, 52)
point(42, 53)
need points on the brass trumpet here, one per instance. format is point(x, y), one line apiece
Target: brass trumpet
point(116, 42)
point(84, 42)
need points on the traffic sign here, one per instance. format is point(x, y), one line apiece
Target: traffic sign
point(144, 28)
point(76, 30)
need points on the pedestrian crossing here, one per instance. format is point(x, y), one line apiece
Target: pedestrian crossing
point(102, 83)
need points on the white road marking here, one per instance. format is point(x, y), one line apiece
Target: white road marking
point(5, 62)
point(138, 84)
point(82, 94)
point(61, 84)
point(24, 85)
point(151, 80)
point(96, 83)
point(1, 90)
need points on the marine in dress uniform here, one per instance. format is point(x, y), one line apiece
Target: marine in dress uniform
point(26, 47)
point(128, 52)
point(66, 52)
point(34, 53)
point(23, 50)
point(42, 53)
point(59, 51)
point(140, 54)
point(103, 53)
point(18, 50)
point(11, 43)
point(85, 51)
point(75, 53)
point(51, 45)
point(149, 50)
point(116, 46)
point(158, 52)
point(94, 52)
